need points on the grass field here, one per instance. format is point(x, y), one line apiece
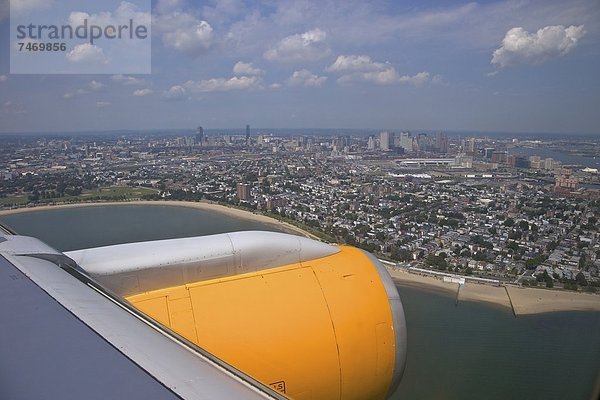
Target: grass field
point(109, 193)
point(13, 200)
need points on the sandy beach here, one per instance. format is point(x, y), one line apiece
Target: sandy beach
point(203, 205)
point(524, 300)
point(531, 300)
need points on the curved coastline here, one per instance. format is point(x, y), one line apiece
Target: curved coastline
point(201, 205)
point(522, 301)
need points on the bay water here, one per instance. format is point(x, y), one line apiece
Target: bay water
point(469, 351)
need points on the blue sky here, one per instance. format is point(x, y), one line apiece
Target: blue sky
point(511, 66)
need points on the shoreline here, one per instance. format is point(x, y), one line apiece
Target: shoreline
point(522, 301)
point(200, 205)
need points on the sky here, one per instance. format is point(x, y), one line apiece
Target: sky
point(488, 66)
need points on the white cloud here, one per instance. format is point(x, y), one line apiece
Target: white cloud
point(387, 76)
point(275, 85)
point(143, 92)
point(307, 46)
point(103, 104)
point(363, 69)
point(87, 53)
point(522, 47)
point(127, 80)
point(417, 79)
point(3, 78)
point(184, 32)
point(190, 39)
point(122, 14)
point(92, 86)
point(246, 69)
point(176, 92)
point(223, 85)
point(355, 63)
point(95, 85)
point(304, 77)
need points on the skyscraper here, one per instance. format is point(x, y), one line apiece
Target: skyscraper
point(406, 142)
point(243, 191)
point(199, 135)
point(247, 134)
point(441, 142)
point(471, 146)
point(384, 140)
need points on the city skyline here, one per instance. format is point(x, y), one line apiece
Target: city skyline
point(493, 66)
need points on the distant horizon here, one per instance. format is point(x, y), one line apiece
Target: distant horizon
point(297, 131)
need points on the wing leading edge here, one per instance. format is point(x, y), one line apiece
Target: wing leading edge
point(64, 338)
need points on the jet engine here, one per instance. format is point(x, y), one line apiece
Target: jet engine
point(311, 320)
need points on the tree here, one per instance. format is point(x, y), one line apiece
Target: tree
point(548, 279)
point(400, 254)
point(509, 222)
point(582, 261)
point(570, 286)
point(524, 225)
point(512, 246)
point(515, 234)
point(436, 261)
point(580, 278)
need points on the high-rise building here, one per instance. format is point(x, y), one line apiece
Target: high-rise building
point(275, 201)
point(247, 134)
point(471, 146)
point(500, 157)
point(518, 161)
point(488, 152)
point(371, 143)
point(535, 162)
point(384, 140)
point(199, 136)
point(441, 142)
point(243, 191)
point(565, 181)
point(406, 142)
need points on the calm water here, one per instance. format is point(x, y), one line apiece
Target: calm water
point(472, 351)
point(80, 228)
point(564, 158)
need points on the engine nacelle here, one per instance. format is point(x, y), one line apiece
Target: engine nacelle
point(311, 320)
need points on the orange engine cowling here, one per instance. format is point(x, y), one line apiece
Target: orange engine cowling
point(311, 320)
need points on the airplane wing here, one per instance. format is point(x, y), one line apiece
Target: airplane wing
point(62, 336)
point(182, 318)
